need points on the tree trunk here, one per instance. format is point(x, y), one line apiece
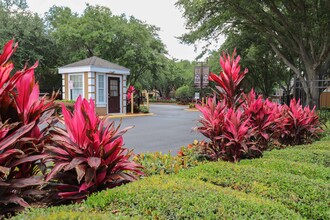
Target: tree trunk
point(313, 95)
point(308, 81)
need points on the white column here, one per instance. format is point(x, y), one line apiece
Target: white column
point(91, 85)
point(63, 86)
point(124, 93)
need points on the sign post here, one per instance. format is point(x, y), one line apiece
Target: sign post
point(198, 76)
point(132, 102)
point(201, 77)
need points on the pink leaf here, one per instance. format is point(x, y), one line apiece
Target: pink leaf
point(58, 167)
point(15, 136)
point(85, 186)
point(81, 170)
point(94, 162)
point(14, 199)
point(27, 159)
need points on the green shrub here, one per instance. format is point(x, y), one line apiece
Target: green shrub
point(171, 197)
point(318, 154)
point(283, 182)
point(324, 115)
point(192, 105)
point(281, 185)
point(43, 162)
point(69, 104)
point(65, 101)
point(144, 109)
point(158, 163)
point(162, 100)
point(184, 94)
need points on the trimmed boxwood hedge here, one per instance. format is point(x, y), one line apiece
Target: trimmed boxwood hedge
point(285, 184)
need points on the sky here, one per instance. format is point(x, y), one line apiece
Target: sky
point(161, 13)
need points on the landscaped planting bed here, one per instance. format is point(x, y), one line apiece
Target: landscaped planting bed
point(292, 183)
point(41, 166)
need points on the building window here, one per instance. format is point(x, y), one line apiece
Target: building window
point(114, 88)
point(76, 86)
point(100, 89)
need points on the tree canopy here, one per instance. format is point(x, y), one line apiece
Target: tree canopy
point(62, 37)
point(265, 71)
point(97, 32)
point(29, 31)
point(298, 31)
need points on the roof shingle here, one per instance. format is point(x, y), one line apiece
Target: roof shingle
point(97, 62)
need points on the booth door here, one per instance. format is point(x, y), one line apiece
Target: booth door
point(113, 95)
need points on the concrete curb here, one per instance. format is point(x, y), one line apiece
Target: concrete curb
point(128, 115)
point(191, 110)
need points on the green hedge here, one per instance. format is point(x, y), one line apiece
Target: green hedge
point(285, 184)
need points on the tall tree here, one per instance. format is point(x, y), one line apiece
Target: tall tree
point(29, 31)
point(265, 71)
point(97, 32)
point(21, 4)
point(298, 31)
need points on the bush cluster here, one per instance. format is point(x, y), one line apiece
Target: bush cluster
point(159, 163)
point(184, 94)
point(48, 159)
point(284, 184)
point(243, 125)
point(143, 109)
point(163, 100)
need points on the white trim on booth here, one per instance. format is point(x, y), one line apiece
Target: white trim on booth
point(63, 70)
point(63, 86)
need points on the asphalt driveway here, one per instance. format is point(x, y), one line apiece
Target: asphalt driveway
point(167, 130)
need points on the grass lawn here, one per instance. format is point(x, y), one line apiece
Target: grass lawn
point(293, 183)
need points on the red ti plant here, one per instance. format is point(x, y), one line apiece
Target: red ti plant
point(229, 81)
point(230, 132)
point(212, 124)
point(265, 116)
point(131, 90)
point(301, 124)
point(24, 123)
point(88, 154)
point(237, 137)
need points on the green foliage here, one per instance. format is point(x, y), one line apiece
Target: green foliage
point(324, 115)
point(21, 4)
point(303, 191)
point(84, 154)
point(63, 37)
point(30, 32)
point(65, 101)
point(144, 109)
point(172, 76)
point(294, 37)
point(69, 104)
point(126, 41)
point(273, 187)
point(158, 163)
point(265, 71)
point(184, 94)
point(192, 105)
point(162, 100)
point(316, 154)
